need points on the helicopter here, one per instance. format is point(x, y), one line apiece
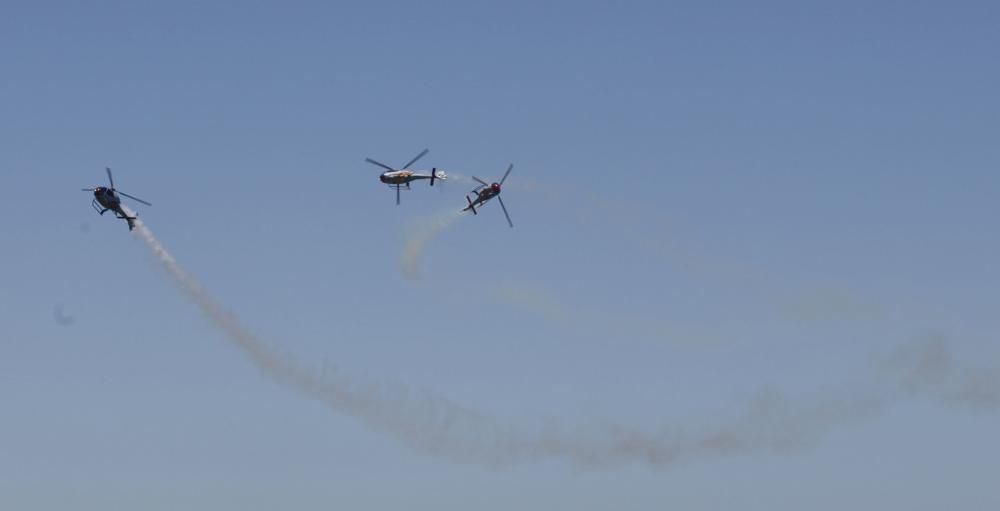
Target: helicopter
point(485, 191)
point(106, 199)
point(398, 178)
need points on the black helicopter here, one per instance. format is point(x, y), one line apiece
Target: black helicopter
point(106, 199)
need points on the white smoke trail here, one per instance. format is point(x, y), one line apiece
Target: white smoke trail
point(439, 426)
point(419, 236)
point(421, 420)
point(455, 177)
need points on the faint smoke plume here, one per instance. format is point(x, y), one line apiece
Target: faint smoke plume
point(535, 299)
point(655, 235)
point(418, 236)
point(444, 428)
point(607, 322)
point(929, 368)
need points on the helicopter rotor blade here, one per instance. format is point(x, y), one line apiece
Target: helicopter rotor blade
point(111, 179)
point(415, 158)
point(480, 181)
point(502, 206)
point(87, 189)
point(397, 195)
point(384, 166)
point(505, 174)
point(133, 198)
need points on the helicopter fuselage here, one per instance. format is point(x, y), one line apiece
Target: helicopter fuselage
point(107, 198)
point(482, 195)
point(400, 177)
point(404, 177)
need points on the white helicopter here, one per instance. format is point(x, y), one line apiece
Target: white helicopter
point(398, 178)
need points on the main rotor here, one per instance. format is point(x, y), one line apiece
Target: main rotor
point(114, 190)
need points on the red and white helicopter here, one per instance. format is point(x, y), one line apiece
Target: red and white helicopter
point(485, 192)
point(398, 178)
point(107, 199)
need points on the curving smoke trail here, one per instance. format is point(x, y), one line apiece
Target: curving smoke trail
point(419, 236)
point(442, 427)
point(425, 230)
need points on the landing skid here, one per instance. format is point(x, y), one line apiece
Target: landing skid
point(97, 207)
point(399, 187)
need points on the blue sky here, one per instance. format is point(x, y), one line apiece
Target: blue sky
point(711, 200)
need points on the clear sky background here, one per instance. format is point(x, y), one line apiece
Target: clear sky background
point(711, 200)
